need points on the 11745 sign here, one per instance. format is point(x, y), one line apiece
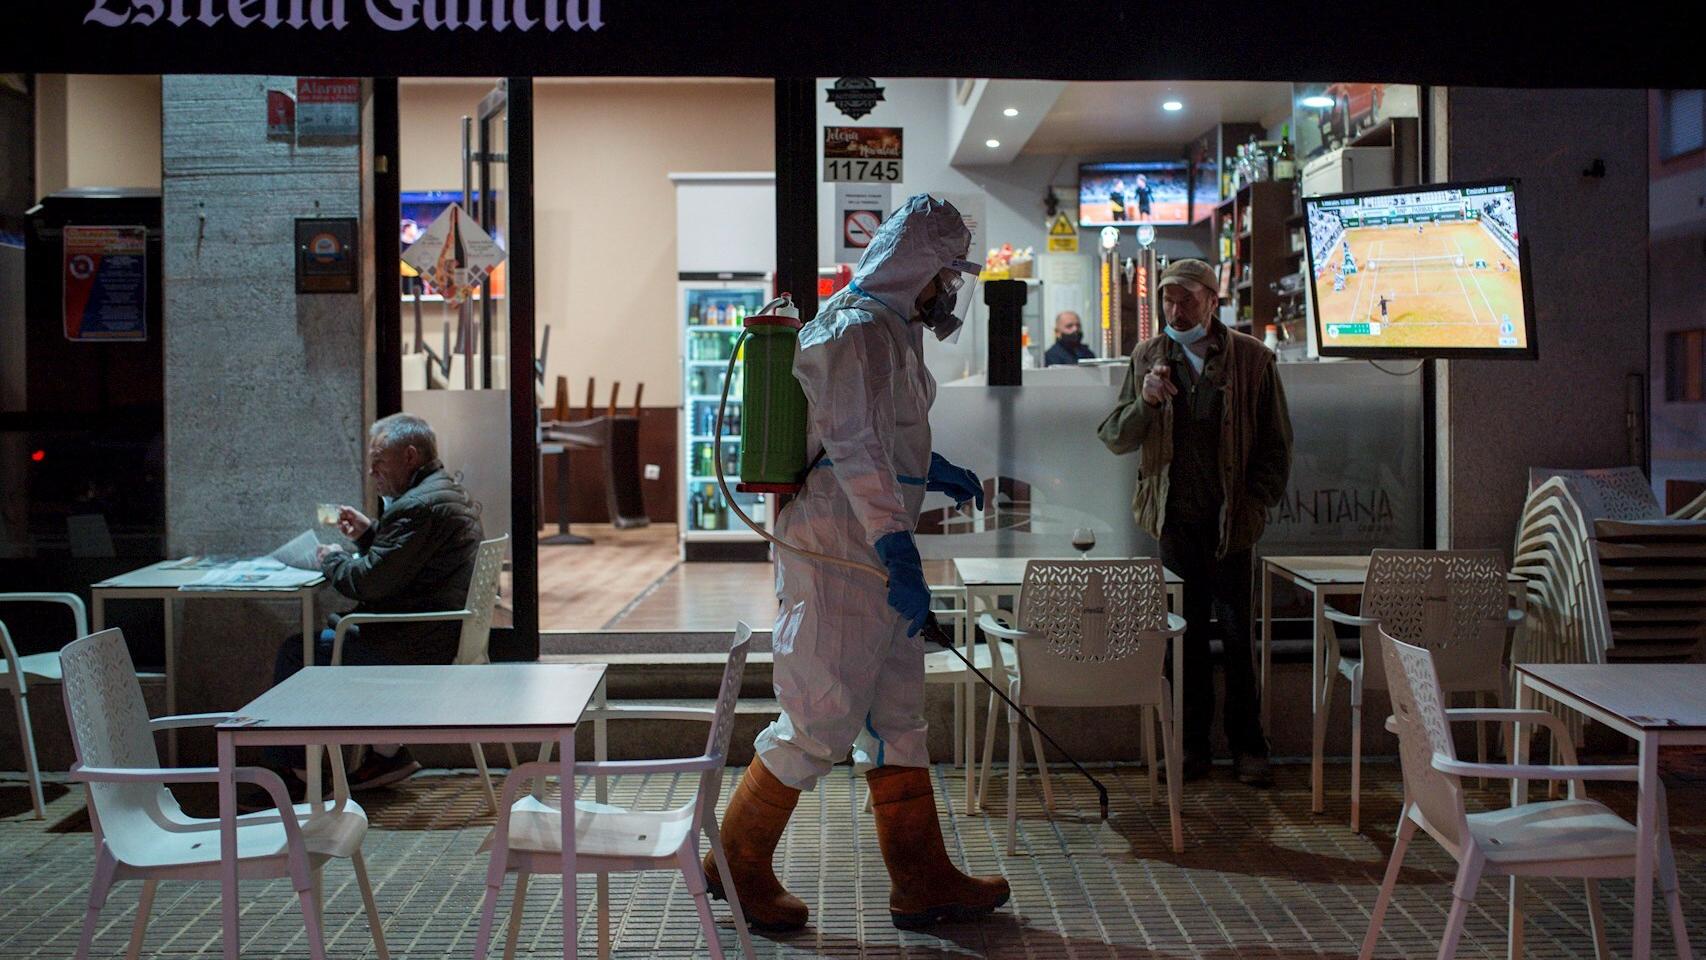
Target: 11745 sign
point(862, 155)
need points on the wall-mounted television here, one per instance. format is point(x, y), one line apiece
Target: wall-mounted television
point(1440, 270)
point(1157, 192)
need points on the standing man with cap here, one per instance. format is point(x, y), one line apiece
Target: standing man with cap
point(1203, 406)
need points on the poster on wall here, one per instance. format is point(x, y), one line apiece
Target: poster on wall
point(455, 255)
point(862, 155)
point(328, 110)
point(859, 210)
point(422, 208)
point(106, 283)
point(326, 260)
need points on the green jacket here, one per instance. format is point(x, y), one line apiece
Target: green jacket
point(1255, 434)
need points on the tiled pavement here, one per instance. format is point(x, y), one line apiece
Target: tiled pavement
point(1260, 877)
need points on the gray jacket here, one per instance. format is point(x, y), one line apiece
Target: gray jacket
point(417, 556)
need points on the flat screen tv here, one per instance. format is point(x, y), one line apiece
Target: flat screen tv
point(1440, 270)
point(1157, 192)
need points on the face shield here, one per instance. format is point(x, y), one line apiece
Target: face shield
point(948, 312)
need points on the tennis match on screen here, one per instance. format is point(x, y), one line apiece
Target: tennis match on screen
point(1438, 268)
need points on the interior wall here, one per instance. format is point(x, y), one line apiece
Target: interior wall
point(1013, 196)
point(1588, 240)
point(97, 131)
point(604, 208)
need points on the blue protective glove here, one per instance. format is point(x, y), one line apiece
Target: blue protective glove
point(908, 593)
point(956, 482)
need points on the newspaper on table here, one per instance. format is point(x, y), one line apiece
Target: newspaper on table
point(301, 552)
point(288, 568)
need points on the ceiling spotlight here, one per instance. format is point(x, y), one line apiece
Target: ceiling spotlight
point(1010, 112)
point(1172, 106)
point(1317, 102)
point(992, 144)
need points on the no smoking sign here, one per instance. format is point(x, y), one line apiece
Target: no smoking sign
point(859, 226)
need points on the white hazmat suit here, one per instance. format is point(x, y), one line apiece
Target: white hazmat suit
point(846, 673)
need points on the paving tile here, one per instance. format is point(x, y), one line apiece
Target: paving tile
point(1260, 877)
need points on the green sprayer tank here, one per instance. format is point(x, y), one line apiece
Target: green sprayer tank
point(773, 407)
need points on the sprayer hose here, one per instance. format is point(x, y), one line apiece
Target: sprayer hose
point(717, 438)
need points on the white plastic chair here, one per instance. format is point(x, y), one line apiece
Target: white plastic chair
point(1092, 633)
point(18, 672)
point(140, 831)
point(1574, 837)
point(1454, 601)
point(475, 644)
point(609, 839)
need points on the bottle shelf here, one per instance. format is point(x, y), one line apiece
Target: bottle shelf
point(715, 328)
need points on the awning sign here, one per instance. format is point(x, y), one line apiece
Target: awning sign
point(860, 209)
point(454, 255)
point(862, 155)
point(106, 283)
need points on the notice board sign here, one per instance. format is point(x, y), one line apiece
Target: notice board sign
point(861, 209)
point(328, 110)
point(106, 283)
point(326, 260)
point(862, 155)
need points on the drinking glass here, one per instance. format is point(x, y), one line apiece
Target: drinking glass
point(1084, 540)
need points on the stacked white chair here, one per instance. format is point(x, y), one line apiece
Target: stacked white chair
point(1450, 601)
point(1574, 837)
point(141, 833)
point(1095, 634)
point(1610, 577)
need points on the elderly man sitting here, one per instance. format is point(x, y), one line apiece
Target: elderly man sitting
point(417, 556)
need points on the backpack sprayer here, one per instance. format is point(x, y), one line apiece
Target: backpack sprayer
point(773, 460)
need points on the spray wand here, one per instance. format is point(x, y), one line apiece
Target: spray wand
point(933, 630)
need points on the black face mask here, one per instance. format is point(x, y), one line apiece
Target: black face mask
point(1072, 339)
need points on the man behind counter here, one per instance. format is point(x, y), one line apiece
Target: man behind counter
point(1069, 345)
point(1204, 406)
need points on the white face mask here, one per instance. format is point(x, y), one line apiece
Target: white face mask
point(1185, 338)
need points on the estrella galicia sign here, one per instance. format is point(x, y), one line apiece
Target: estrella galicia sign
point(855, 96)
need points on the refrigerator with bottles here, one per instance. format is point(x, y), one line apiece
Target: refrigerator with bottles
point(712, 312)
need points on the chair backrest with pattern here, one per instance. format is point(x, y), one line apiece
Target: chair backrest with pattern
point(109, 728)
point(1616, 493)
point(723, 727)
point(1094, 624)
point(1418, 708)
point(1450, 601)
point(475, 646)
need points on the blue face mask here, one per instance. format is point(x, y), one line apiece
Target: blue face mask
point(1185, 338)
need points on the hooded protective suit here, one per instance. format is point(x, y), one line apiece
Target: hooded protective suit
point(845, 669)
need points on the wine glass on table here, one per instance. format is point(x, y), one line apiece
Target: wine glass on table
point(1083, 540)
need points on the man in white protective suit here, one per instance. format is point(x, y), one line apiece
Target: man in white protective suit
point(849, 667)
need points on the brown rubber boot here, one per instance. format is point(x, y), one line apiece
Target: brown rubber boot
point(925, 886)
point(752, 825)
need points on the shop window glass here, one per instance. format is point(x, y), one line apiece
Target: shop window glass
point(1685, 366)
point(1682, 123)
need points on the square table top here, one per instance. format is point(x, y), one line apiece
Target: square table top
point(1337, 570)
point(170, 575)
point(1652, 696)
point(436, 696)
point(1010, 571)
